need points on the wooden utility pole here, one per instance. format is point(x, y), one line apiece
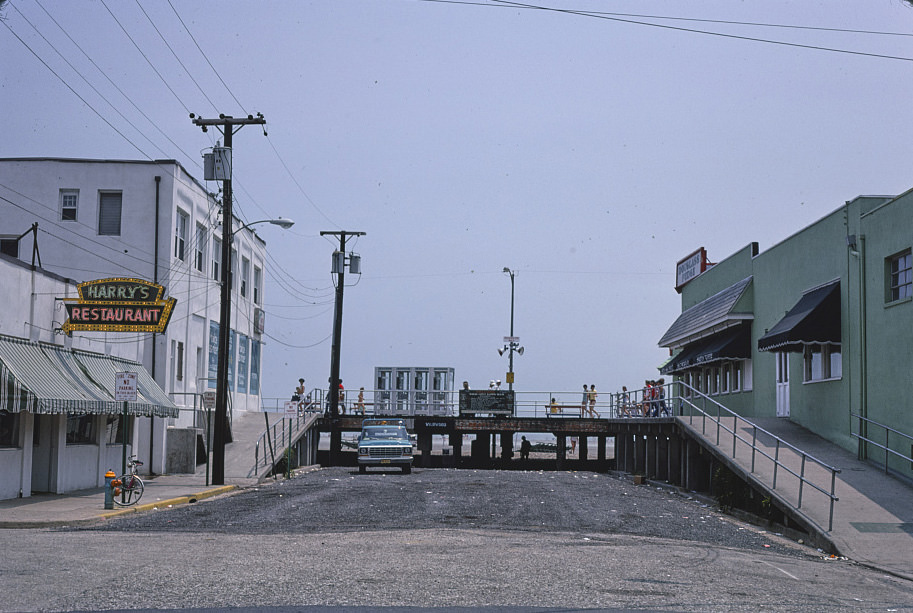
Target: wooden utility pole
point(339, 268)
point(226, 125)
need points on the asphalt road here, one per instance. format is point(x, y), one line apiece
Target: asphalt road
point(334, 540)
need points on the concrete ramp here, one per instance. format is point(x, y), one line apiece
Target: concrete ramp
point(872, 519)
point(241, 465)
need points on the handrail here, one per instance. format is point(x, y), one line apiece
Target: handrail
point(685, 399)
point(278, 434)
point(887, 440)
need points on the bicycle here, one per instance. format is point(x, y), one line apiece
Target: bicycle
point(131, 486)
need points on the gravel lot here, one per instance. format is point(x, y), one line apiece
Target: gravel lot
point(472, 540)
point(340, 500)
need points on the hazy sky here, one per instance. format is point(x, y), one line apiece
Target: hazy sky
point(587, 152)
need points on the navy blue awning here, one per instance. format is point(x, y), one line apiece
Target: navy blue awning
point(814, 319)
point(733, 344)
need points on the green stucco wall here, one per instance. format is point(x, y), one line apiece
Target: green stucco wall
point(876, 334)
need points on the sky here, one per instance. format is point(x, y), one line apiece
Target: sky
point(586, 145)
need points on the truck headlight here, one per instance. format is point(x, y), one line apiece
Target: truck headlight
point(407, 450)
point(362, 451)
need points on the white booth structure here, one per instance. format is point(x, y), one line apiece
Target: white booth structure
point(413, 391)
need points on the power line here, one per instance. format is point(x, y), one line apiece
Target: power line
point(176, 57)
point(189, 33)
point(613, 17)
point(148, 61)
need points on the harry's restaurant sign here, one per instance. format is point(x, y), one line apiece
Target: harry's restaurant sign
point(118, 305)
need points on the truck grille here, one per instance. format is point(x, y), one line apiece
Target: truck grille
point(384, 452)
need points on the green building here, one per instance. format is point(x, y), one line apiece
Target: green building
point(817, 329)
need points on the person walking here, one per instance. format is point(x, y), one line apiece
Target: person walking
point(592, 400)
point(661, 397)
point(299, 391)
point(525, 447)
point(624, 402)
point(584, 401)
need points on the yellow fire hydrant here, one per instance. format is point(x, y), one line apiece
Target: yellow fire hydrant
point(109, 489)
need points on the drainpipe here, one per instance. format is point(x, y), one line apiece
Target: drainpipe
point(155, 279)
point(863, 348)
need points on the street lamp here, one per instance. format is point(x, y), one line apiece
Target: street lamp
point(512, 343)
point(221, 415)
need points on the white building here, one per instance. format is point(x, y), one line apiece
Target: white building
point(148, 220)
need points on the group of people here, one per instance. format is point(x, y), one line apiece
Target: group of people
point(652, 404)
point(588, 402)
point(359, 408)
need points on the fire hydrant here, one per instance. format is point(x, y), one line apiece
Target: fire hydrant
point(109, 489)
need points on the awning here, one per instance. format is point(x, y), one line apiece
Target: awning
point(45, 378)
point(668, 361)
point(814, 319)
point(733, 344)
point(708, 317)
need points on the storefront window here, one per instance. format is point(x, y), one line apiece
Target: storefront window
point(822, 362)
point(80, 429)
point(114, 430)
point(9, 429)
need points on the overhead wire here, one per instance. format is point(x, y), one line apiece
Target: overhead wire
point(176, 57)
point(205, 57)
point(609, 17)
point(145, 57)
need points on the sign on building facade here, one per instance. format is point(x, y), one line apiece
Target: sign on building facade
point(118, 305)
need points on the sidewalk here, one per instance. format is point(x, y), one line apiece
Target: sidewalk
point(162, 491)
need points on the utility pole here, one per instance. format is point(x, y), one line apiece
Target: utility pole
point(338, 268)
point(226, 124)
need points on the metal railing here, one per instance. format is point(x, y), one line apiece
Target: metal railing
point(558, 404)
point(864, 423)
point(689, 397)
point(277, 437)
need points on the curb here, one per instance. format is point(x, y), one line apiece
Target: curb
point(190, 498)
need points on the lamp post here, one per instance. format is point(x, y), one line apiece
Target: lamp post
point(221, 414)
point(513, 343)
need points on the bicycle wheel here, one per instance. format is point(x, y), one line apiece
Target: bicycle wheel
point(131, 491)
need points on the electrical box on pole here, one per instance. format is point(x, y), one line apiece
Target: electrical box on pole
point(217, 165)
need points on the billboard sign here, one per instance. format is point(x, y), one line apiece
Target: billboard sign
point(690, 267)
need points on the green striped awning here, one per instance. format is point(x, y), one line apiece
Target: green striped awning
point(45, 378)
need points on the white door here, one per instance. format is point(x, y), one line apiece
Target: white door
point(782, 384)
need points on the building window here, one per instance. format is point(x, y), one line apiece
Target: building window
point(180, 369)
point(725, 374)
point(9, 429)
point(202, 237)
point(258, 284)
point(10, 247)
point(900, 276)
point(180, 235)
point(216, 259)
point(822, 362)
point(80, 429)
point(245, 276)
point(736, 377)
point(114, 429)
point(109, 213)
point(234, 269)
point(69, 199)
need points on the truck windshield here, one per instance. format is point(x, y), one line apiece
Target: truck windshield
point(384, 432)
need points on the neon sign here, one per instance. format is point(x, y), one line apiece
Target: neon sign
point(118, 305)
